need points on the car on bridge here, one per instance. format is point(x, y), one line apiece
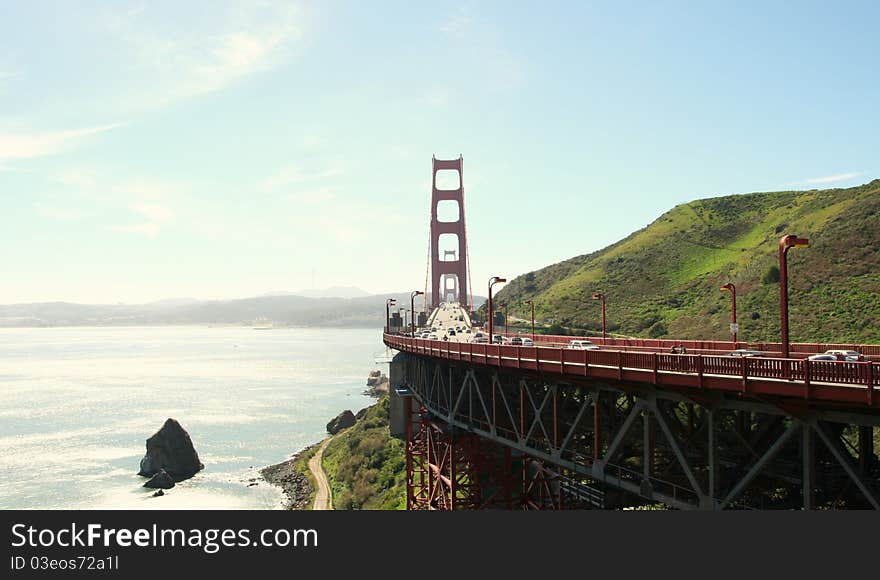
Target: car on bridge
point(582, 345)
point(849, 355)
point(521, 341)
point(823, 356)
point(746, 352)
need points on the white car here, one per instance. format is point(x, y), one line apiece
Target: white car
point(582, 345)
point(849, 355)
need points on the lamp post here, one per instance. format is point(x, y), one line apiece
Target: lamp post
point(786, 243)
point(601, 296)
point(388, 303)
point(412, 305)
point(532, 304)
point(492, 281)
point(733, 325)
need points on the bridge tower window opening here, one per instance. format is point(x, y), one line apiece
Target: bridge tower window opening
point(450, 287)
point(448, 211)
point(447, 180)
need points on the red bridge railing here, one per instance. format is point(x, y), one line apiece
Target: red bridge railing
point(833, 382)
point(704, 346)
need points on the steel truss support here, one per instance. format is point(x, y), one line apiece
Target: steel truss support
point(633, 445)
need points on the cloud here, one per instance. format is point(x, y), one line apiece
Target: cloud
point(148, 229)
point(489, 52)
point(154, 212)
point(203, 59)
point(316, 196)
point(29, 145)
point(459, 23)
point(297, 175)
point(149, 205)
point(833, 178)
point(58, 212)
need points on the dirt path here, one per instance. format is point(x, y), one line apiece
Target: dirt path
point(323, 496)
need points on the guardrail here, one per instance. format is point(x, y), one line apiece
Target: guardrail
point(821, 381)
point(698, 346)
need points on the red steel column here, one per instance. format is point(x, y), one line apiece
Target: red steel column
point(458, 267)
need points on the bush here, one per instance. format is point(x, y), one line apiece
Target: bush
point(771, 276)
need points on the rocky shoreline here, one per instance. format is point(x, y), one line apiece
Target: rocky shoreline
point(293, 483)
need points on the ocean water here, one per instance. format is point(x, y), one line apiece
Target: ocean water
point(77, 404)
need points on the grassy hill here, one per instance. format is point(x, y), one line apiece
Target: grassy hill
point(663, 280)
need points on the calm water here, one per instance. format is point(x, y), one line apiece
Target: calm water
point(77, 404)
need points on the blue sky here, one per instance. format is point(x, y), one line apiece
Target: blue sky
point(218, 150)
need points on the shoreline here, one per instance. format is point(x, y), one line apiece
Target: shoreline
point(294, 476)
point(296, 485)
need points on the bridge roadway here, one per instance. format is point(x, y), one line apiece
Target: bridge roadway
point(833, 383)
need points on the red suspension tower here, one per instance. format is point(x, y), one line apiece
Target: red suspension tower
point(448, 276)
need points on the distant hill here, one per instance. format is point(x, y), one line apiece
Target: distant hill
point(663, 280)
point(283, 310)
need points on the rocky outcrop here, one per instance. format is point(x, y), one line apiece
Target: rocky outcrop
point(160, 481)
point(361, 414)
point(378, 384)
point(342, 421)
point(171, 449)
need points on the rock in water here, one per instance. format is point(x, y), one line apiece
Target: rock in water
point(160, 481)
point(171, 449)
point(343, 420)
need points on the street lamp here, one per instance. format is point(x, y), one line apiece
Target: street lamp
point(388, 303)
point(734, 327)
point(412, 304)
point(492, 281)
point(601, 296)
point(785, 243)
point(532, 304)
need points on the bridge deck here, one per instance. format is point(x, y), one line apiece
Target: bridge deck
point(826, 383)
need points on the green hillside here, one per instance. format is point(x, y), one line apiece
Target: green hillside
point(366, 466)
point(663, 280)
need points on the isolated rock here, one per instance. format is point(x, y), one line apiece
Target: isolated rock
point(159, 493)
point(160, 481)
point(341, 421)
point(171, 449)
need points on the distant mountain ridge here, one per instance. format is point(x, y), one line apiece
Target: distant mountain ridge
point(283, 310)
point(663, 280)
